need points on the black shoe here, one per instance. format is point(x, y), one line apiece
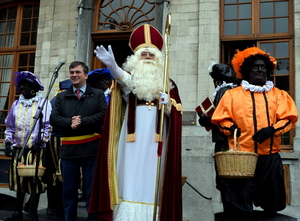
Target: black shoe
point(26, 207)
point(33, 217)
point(58, 215)
point(50, 211)
point(15, 217)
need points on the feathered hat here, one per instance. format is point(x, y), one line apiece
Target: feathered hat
point(145, 36)
point(65, 84)
point(240, 57)
point(222, 71)
point(98, 73)
point(28, 76)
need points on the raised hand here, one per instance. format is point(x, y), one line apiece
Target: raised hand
point(105, 56)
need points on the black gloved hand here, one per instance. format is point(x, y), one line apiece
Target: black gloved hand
point(232, 129)
point(7, 150)
point(35, 148)
point(263, 134)
point(204, 120)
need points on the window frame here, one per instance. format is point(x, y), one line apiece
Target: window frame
point(255, 24)
point(116, 32)
point(17, 49)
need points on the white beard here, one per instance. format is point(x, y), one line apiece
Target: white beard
point(147, 79)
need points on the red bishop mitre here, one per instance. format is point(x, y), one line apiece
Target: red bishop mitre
point(145, 36)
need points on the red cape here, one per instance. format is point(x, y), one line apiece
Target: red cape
point(171, 195)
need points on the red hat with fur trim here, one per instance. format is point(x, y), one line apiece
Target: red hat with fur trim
point(145, 36)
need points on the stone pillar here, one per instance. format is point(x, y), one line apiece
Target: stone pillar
point(84, 50)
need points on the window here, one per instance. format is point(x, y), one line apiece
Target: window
point(256, 18)
point(268, 25)
point(18, 33)
point(124, 15)
point(115, 20)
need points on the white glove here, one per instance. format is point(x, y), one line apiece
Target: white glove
point(108, 58)
point(164, 98)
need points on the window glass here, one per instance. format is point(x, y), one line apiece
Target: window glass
point(266, 9)
point(282, 49)
point(27, 11)
point(12, 13)
point(267, 47)
point(230, 12)
point(285, 138)
point(116, 15)
point(281, 8)
point(244, 27)
point(266, 26)
point(7, 60)
point(2, 27)
point(230, 27)
point(6, 73)
point(24, 39)
point(282, 67)
point(3, 106)
point(35, 24)
point(9, 41)
point(245, 11)
point(26, 25)
point(36, 11)
point(3, 14)
point(23, 59)
point(230, 1)
point(31, 59)
point(11, 27)
point(33, 39)
point(4, 89)
point(282, 25)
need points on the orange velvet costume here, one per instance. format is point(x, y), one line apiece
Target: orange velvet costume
point(254, 110)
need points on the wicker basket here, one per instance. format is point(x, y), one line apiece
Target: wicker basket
point(236, 164)
point(29, 170)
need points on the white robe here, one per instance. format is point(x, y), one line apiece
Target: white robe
point(137, 166)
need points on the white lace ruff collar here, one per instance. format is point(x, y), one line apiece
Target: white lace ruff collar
point(29, 102)
point(224, 84)
point(254, 88)
point(107, 92)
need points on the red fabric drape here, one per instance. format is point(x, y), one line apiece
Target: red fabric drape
point(100, 198)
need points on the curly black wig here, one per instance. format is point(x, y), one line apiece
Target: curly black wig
point(248, 62)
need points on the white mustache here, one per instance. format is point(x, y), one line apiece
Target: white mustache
point(148, 61)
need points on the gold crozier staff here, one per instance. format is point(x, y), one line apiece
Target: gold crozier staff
point(160, 142)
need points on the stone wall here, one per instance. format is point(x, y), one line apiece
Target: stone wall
point(56, 39)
